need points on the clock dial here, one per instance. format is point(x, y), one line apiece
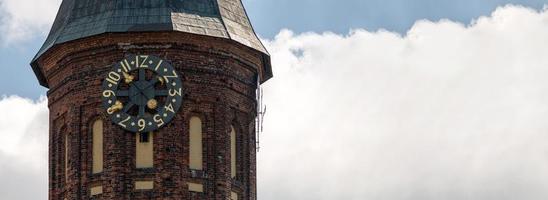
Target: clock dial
point(142, 93)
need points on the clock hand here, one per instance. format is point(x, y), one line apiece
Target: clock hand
point(128, 106)
point(141, 110)
point(153, 82)
point(145, 96)
point(138, 89)
point(142, 74)
point(115, 108)
point(161, 79)
point(128, 78)
point(137, 86)
point(149, 85)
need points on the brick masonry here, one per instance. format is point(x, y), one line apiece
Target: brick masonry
point(219, 81)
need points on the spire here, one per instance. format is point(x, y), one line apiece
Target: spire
point(78, 19)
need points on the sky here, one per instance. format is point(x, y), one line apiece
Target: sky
point(387, 99)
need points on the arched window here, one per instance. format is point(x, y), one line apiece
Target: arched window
point(66, 144)
point(97, 148)
point(144, 145)
point(59, 158)
point(195, 140)
point(233, 152)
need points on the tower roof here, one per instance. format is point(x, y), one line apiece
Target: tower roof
point(78, 19)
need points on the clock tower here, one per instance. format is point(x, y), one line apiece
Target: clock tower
point(152, 99)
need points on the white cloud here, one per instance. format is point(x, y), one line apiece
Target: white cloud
point(23, 148)
point(448, 111)
point(24, 19)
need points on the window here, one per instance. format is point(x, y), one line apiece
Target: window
point(144, 150)
point(232, 152)
point(96, 190)
point(144, 185)
point(60, 156)
point(195, 140)
point(66, 141)
point(233, 196)
point(97, 146)
point(195, 187)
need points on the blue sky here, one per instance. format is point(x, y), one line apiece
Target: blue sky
point(270, 16)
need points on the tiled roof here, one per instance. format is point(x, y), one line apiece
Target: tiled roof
point(217, 18)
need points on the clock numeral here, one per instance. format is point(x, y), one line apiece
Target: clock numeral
point(158, 66)
point(125, 65)
point(170, 108)
point(173, 92)
point(124, 121)
point(142, 64)
point(158, 119)
point(170, 76)
point(108, 93)
point(142, 124)
point(113, 78)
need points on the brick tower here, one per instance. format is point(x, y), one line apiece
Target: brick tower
point(152, 99)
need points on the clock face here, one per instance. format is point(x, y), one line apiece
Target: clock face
point(142, 93)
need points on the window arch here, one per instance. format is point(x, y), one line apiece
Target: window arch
point(195, 144)
point(97, 146)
